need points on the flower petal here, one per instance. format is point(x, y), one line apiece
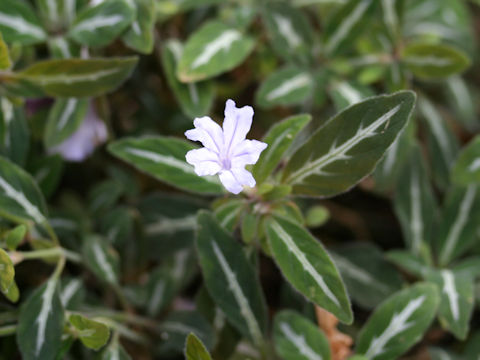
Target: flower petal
point(236, 125)
point(247, 152)
point(208, 132)
point(243, 176)
point(230, 182)
point(204, 160)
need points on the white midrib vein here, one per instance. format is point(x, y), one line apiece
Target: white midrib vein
point(475, 165)
point(69, 291)
point(19, 198)
point(42, 318)
point(71, 78)
point(450, 290)
point(299, 342)
point(161, 159)
point(297, 82)
point(427, 60)
point(349, 93)
point(166, 225)
point(223, 42)
point(460, 221)
point(285, 28)
point(67, 113)
point(300, 256)
point(397, 324)
point(157, 295)
point(242, 301)
point(20, 25)
point(339, 153)
point(94, 23)
point(102, 262)
point(416, 212)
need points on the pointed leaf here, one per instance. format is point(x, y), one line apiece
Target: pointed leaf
point(230, 278)
point(405, 260)
point(14, 132)
point(456, 301)
point(20, 198)
point(287, 86)
point(195, 98)
point(195, 350)
point(279, 138)
point(398, 323)
point(40, 325)
point(467, 166)
point(308, 267)
point(213, 49)
point(92, 334)
point(19, 24)
point(348, 146)
point(297, 338)
point(139, 35)
point(114, 351)
point(164, 159)
point(5, 62)
point(99, 25)
point(102, 260)
point(7, 272)
point(346, 93)
point(15, 236)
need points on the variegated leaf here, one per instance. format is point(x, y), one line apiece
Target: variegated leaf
point(195, 98)
point(230, 278)
point(139, 35)
point(19, 24)
point(164, 159)
point(458, 223)
point(408, 262)
point(461, 97)
point(467, 166)
point(345, 94)
point(288, 86)
point(99, 25)
point(102, 259)
point(14, 132)
point(308, 267)
point(456, 301)
point(40, 324)
point(213, 49)
point(415, 204)
point(297, 338)
point(398, 323)
point(347, 148)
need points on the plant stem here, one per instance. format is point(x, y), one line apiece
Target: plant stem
point(46, 253)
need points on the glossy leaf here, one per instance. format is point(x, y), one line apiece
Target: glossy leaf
point(40, 324)
point(99, 25)
point(398, 323)
point(308, 267)
point(18, 23)
point(164, 159)
point(297, 338)
point(213, 49)
point(139, 35)
point(93, 334)
point(230, 278)
point(102, 260)
point(348, 146)
point(466, 170)
point(279, 138)
point(195, 350)
point(287, 86)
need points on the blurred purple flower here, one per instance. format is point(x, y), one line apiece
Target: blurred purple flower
point(226, 151)
point(83, 142)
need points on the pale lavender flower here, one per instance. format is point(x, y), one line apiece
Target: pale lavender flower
point(226, 151)
point(83, 142)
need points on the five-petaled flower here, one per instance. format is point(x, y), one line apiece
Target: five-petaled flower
point(226, 151)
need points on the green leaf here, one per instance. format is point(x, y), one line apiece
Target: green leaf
point(47, 172)
point(99, 25)
point(212, 50)
point(347, 148)
point(7, 272)
point(93, 334)
point(290, 32)
point(369, 278)
point(63, 48)
point(344, 26)
point(160, 291)
point(15, 236)
point(12, 294)
point(102, 260)
point(345, 93)
point(466, 170)
point(287, 86)
point(14, 132)
point(408, 262)
point(195, 99)
point(164, 159)
point(228, 214)
point(440, 354)
point(456, 232)
point(72, 77)
point(230, 278)
point(432, 61)
point(114, 351)
point(40, 324)
point(398, 323)
point(461, 98)
point(442, 144)
point(195, 350)
point(317, 216)
point(308, 267)
point(19, 24)
point(279, 138)
point(64, 118)
point(72, 292)
point(20, 198)
point(456, 301)
point(297, 338)
point(5, 62)
point(56, 14)
point(117, 225)
point(415, 205)
point(139, 35)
